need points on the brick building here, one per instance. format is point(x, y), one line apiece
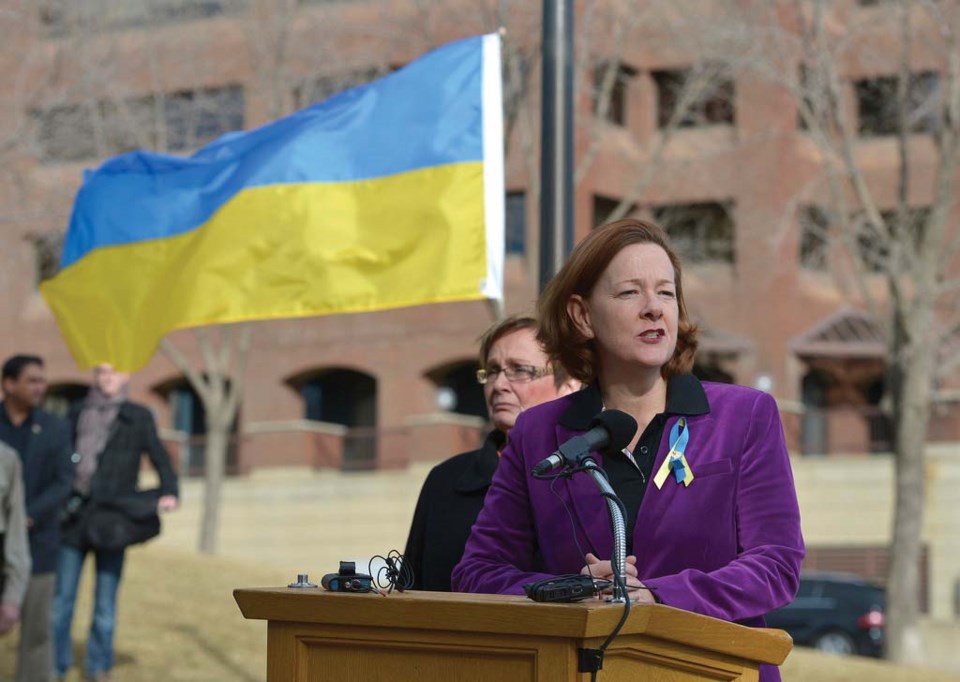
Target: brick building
point(727, 174)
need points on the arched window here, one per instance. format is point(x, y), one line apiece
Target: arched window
point(457, 388)
point(711, 371)
point(62, 398)
point(188, 416)
point(879, 421)
point(814, 433)
point(346, 397)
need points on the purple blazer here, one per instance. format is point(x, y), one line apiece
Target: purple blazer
point(727, 546)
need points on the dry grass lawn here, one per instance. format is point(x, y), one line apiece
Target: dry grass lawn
point(178, 622)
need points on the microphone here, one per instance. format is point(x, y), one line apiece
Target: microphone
point(611, 430)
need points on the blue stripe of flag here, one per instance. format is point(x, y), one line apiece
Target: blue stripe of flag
point(427, 114)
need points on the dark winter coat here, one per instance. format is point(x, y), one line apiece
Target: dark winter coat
point(47, 479)
point(133, 434)
point(450, 500)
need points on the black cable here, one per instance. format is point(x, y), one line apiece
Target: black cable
point(573, 523)
point(394, 573)
point(620, 579)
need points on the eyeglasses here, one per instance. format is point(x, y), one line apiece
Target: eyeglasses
point(516, 375)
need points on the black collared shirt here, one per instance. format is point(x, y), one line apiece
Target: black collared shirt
point(685, 396)
point(17, 437)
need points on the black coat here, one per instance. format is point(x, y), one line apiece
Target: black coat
point(133, 434)
point(450, 500)
point(47, 479)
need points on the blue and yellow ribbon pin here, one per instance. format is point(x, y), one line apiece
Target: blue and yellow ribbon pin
point(676, 462)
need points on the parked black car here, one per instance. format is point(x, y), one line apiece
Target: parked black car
point(836, 613)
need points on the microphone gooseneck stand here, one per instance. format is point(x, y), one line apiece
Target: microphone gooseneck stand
point(611, 429)
point(591, 660)
point(615, 506)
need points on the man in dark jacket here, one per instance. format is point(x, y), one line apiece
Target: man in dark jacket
point(43, 443)
point(515, 375)
point(111, 434)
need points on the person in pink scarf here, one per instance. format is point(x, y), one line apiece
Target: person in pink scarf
point(111, 434)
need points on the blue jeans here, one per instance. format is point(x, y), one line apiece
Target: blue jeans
point(99, 657)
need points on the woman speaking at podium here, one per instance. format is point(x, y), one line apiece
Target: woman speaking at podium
point(712, 522)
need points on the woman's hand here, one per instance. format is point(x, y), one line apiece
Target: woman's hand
point(603, 570)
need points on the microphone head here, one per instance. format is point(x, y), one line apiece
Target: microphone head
point(621, 426)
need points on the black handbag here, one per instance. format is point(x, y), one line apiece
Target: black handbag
point(115, 523)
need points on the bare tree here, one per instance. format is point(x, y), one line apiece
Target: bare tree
point(219, 384)
point(812, 48)
point(908, 245)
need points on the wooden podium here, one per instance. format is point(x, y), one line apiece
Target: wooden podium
point(314, 635)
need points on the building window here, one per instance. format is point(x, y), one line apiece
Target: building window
point(814, 225)
point(702, 232)
point(194, 117)
point(177, 121)
point(458, 390)
point(815, 389)
point(610, 99)
point(516, 223)
point(189, 417)
point(817, 104)
point(63, 399)
point(874, 246)
point(690, 98)
point(324, 87)
point(47, 249)
point(65, 133)
point(125, 125)
point(603, 208)
point(878, 104)
point(59, 17)
point(710, 370)
point(348, 398)
point(518, 68)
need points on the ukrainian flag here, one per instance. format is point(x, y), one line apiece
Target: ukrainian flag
point(384, 196)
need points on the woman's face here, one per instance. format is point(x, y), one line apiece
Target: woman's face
point(507, 399)
point(632, 313)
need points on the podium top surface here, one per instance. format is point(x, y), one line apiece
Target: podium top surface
point(505, 614)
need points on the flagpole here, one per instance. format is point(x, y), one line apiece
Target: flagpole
point(556, 146)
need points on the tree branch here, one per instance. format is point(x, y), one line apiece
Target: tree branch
point(180, 361)
point(206, 351)
point(226, 346)
point(237, 384)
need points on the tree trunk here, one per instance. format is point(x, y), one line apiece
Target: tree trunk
point(912, 357)
point(215, 457)
point(220, 391)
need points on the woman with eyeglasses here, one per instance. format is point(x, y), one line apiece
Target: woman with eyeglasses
point(515, 375)
point(712, 520)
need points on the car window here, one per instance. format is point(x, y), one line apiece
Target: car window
point(861, 594)
point(809, 588)
point(842, 590)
